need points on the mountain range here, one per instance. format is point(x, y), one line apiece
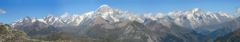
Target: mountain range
point(108, 24)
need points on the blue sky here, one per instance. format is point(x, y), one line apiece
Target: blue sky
point(17, 9)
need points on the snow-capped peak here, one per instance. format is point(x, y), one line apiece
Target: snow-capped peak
point(105, 9)
point(104, 6)
point(27, 18)
point(66, 14)
point(196, 10)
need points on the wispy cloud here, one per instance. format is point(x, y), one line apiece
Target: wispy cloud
point(2, 11)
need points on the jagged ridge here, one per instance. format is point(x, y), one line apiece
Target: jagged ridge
point(105, 19)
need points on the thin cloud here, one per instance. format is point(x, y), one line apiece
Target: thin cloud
point(2, 11)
